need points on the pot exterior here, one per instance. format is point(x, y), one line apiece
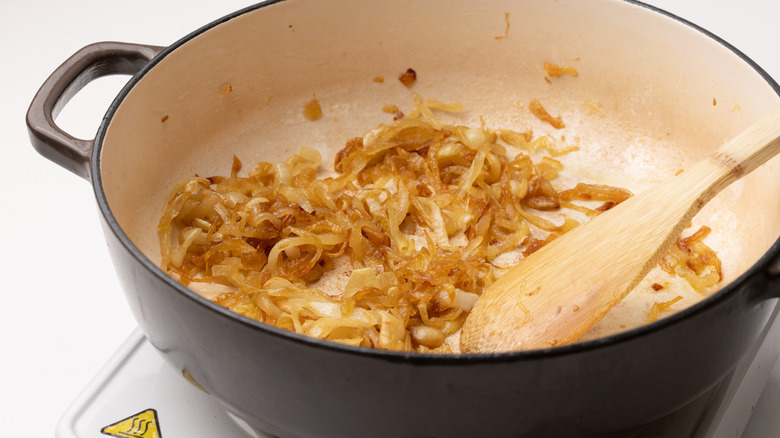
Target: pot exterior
point(292, 387)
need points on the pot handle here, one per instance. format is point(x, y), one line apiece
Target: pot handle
point(765, 284)
point(773, 278)
point(89, 63)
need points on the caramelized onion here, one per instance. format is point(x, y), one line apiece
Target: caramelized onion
point(694, 261)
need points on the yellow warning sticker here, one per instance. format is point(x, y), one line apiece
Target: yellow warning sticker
point(141, 425)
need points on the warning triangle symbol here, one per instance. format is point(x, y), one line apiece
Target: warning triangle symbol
point(141, 425)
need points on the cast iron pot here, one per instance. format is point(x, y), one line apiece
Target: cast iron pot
point(654, 93)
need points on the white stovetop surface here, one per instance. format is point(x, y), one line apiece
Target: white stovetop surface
point(63, 315)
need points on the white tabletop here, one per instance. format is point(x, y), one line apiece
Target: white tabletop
point(63, 314)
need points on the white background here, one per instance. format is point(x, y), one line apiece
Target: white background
point(62, 314)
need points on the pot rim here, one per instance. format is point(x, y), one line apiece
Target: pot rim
point(430, 358)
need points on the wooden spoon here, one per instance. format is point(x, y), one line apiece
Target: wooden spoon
point(559, 292)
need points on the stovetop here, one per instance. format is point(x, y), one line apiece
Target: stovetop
point(137, 395)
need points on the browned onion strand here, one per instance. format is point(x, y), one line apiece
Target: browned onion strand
point(692, 260)
point(418, 211)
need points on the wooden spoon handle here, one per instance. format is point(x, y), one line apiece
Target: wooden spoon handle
point(558, 293)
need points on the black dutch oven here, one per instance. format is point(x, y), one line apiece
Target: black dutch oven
point(653, 80)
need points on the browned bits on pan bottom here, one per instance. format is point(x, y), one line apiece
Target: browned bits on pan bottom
point(538, 110)
point(557, 70)
point(227, 89)
point(390, 109)
point(506, 30)
point(312, 109)
point(408, 77)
